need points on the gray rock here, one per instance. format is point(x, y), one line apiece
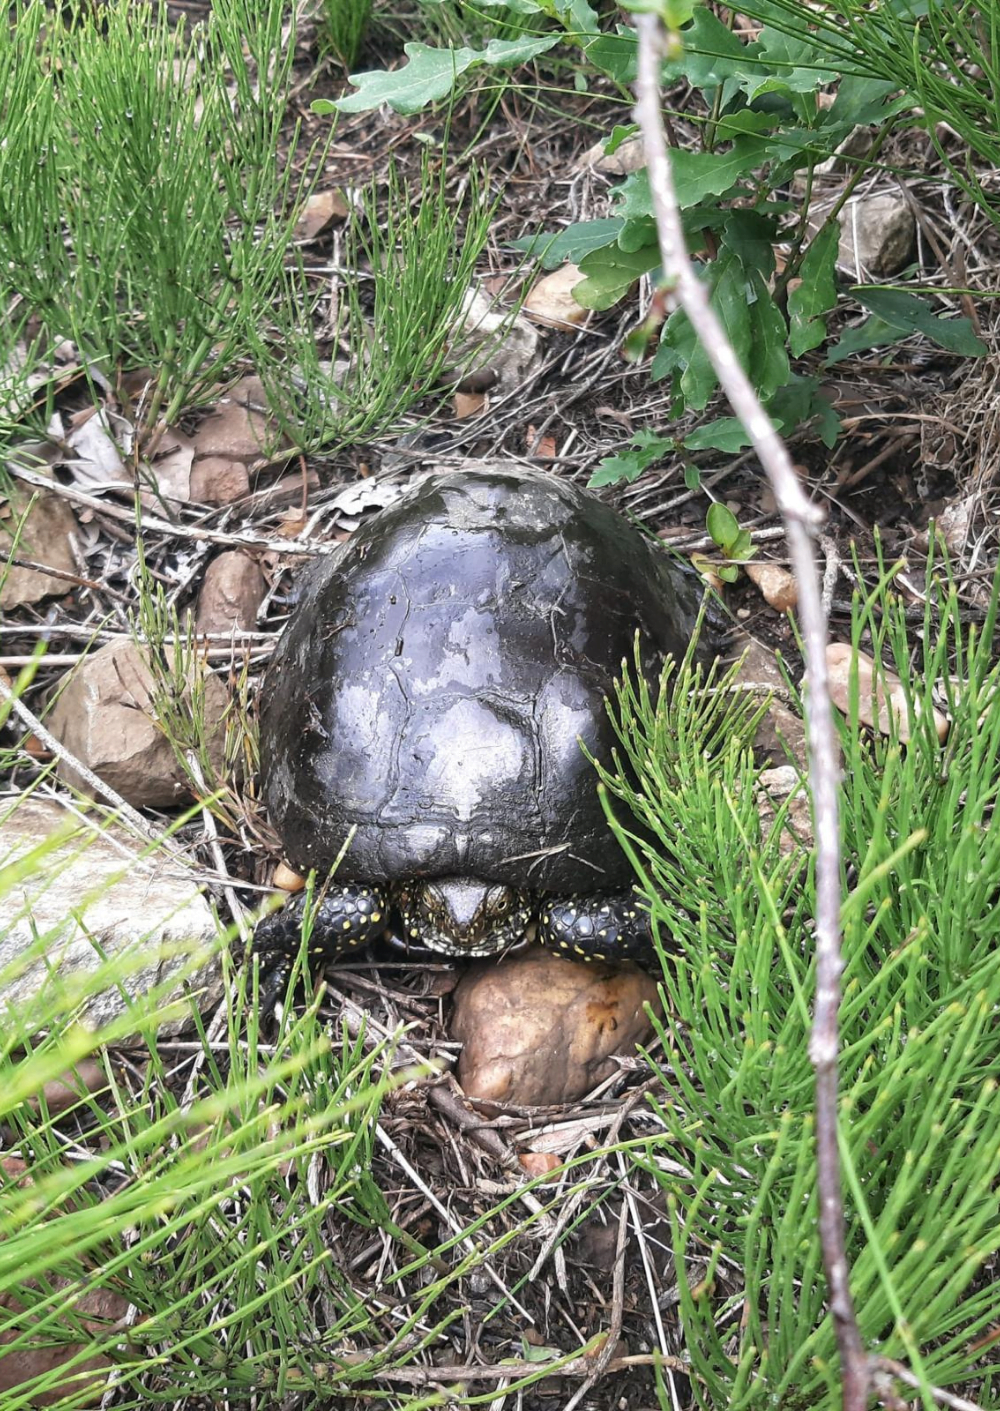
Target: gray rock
point(878, 234)
point(91, 895)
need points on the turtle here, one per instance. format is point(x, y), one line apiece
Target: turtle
point(430, 718)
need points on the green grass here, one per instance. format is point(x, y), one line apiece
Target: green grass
point(920, 1104)
point(200, 1174)
point(142, 210)
point(344, 26)
point(397, 326)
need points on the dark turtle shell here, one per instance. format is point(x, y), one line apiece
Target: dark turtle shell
point(439, 672)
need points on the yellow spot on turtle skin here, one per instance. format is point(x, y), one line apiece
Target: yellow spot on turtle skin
point(375, 916)
point(579, 950)
point(603, 933)
point(546, 919)
point(564, 945)
point(414, 932)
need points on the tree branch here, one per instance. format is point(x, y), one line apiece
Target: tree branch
point(802, 521)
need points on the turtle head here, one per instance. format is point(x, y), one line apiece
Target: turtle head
point(463, 917)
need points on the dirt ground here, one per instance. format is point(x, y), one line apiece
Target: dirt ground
point(921, 437)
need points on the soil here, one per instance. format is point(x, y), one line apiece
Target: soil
point(920, 435)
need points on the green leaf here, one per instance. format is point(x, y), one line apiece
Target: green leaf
point(729, 299)
point(751, 237)
point(647, 449)
point(579, 18)
point(726, 434)
point(430, 74)
point(692, 477)
point(912, 315)
point(722, 525)
point(860, 102)
point(610, 273)
point(711, 51)
point(787, 65)
point(637, 232)
point(768, 358)
point(816, 292)
point(619, 133)
point(696, 175)
point(571, 244)
point(871, 333)
point(614, 55)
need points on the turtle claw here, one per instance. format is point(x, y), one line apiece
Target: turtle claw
point(344, 919)
point(598, 928)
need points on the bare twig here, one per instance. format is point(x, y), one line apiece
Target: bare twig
point(885, 1367)
point(802, 521)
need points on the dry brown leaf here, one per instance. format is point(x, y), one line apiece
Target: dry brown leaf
point(889, 697)
point(169, 471)
point(466, 404)
point(551, 300)
point(538, 1163)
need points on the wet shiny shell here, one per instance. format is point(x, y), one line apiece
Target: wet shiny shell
point(437, 676)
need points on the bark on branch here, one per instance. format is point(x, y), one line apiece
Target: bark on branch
point(802, 522)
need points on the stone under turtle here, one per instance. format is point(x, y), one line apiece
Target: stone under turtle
point(428, 714)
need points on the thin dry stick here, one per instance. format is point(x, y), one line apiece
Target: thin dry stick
point(802, 521)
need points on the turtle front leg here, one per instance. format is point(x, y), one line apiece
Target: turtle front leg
point(599, 927)
point(346, 918)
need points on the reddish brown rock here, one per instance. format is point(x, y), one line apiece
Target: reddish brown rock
point(231, 592)
point(219, 480)
point(105, 717)
point(776, 584)
point(538, 1029)
point(45, 539)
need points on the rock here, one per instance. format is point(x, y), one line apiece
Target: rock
point(319, 212)
point(219, 480)
point(489, 338)
point(286, 880)
point(888, 707)
point(775, 786)
point(630, 156)
point(231, 593)
point(168, 476)
point(91, 896)
point(237, 427)
point(95, 1309)
point(551, 299)
point(538, 1029)
point(776, 584)
point(104, 716)
point(86, 1380)
point(878, 234)
point(45, 538)
point(782, 730)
